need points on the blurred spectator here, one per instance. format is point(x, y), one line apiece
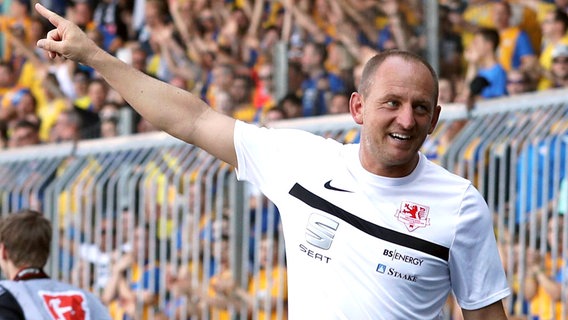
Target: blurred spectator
point(268, 288)
point(80, 89)
point(98, 94)
point(559, 67)
point(273, 114)
point(292, 105)
point(515, 48)
point(511, 249)
point(24, 133)
point(518, 82)
point(81, 13)
point(446, 91)
point(139, 59)
point(224, 103)
point(220, 298)
point(319, 83)
point(156, 22)
point(31, 69)
point(17, 23)
point(97, 91)
point(241, 97)
point(222, 77)
point(270, 36)
point(134, 280)
point(207, 27)
point(63, 70)
point(450, 47)
point(295, 78)
point(7, 78)
point(263, 97)
point(184, 300)
point(339, 104)
point(55, 103)
point(110, 117)
point(399, 33)
point(554, 27)
point(67, 127)
point(485, 77)
point(26, 106)
point(543, 288)
point(38, 30)
point(108, 18)
point(96, 255)
point(366, 54)
point(340, 62)
point(176, 59)
point(96, 36)
point(7, 90)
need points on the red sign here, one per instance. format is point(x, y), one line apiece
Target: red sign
point(69, 305)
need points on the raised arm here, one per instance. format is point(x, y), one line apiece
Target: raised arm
point(171, 109)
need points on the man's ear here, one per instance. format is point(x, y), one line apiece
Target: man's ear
point(356, 107)
point(435, 118)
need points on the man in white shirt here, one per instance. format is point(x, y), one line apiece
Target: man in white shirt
point(374, 230)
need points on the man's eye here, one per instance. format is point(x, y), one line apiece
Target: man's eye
point(392, 103)
point(423, 108)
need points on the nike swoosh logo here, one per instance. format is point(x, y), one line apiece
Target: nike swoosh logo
point(328, 185)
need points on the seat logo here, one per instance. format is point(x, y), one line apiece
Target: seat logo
point(328, 186)
point(320, 231)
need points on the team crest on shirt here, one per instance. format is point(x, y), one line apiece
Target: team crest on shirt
point(413, 215)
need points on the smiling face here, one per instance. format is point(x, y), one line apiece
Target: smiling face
point(397, 110)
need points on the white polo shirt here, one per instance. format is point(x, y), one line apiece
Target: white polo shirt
point(361, 246)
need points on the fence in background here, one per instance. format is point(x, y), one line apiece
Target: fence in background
point(181, 214)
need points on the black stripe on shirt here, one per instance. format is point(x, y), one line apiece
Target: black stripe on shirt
point(372, 229)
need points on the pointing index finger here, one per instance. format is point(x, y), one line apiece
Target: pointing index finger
point(53, 17)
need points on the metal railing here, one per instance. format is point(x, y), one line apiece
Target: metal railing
point(193, 228)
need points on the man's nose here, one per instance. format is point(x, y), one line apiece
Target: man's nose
point(405, 116)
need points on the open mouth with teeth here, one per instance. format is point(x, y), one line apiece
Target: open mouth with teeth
point(399, 136)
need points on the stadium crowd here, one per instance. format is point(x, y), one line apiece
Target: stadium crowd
point(224, 52)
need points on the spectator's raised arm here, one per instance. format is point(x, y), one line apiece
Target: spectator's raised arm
point(171, 109)
point(350, 10)
point(305, 21)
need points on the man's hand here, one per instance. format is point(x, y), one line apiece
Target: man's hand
point(66, 39)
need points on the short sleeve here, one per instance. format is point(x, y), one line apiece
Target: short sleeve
point(476, 272)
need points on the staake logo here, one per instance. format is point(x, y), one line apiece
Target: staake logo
point(320, 231)
point(383, 269)
point(413, 215)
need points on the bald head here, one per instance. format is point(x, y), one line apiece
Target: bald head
point(375, 62)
